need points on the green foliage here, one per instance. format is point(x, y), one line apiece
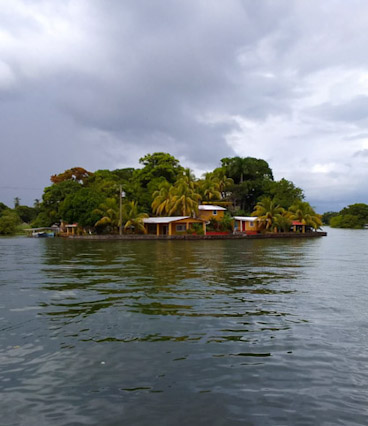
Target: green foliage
point(157, 165)
point(8, 223)
point(354, 216)
point(133, 218)
point(346, 221)
point(162, 186)
point(250, 176)
point(304, 213)
point(198, 228)
point(53, 197)
point(269, 214)
point(283, 192)
point(226, 223)
point(3, 207)
point(108, 214)
point(326, 217)
point(26, 214)
point(41, 220)
point(79, 207)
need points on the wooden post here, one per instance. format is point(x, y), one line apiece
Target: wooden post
point(157, 229)
point(204, 228)
point(170, 228)
point(120, 211)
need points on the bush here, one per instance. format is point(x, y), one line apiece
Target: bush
point(8, 224)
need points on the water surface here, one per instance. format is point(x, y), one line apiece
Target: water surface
point(184, 332)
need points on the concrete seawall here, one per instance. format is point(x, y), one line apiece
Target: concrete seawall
point(199, 237)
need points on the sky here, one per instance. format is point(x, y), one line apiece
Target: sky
point(100, 83)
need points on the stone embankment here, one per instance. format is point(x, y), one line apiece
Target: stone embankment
point(199, 237)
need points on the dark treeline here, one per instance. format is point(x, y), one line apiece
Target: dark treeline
point(354, 216)
point(160, 187)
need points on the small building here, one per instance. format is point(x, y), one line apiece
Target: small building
point(297, 226)
point(171, 225)
point(208, 211)
point(68, 228)
point(246, 224)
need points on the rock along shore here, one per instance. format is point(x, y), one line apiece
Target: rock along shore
point(199, 237)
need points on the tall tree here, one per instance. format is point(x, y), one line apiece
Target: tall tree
point(162, 199)
point(133, 217)
point(185, 199)
point(109, 214)
point(77, 174)
point(269, 214)
point(304, 213)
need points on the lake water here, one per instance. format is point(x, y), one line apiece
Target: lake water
point(184, 332)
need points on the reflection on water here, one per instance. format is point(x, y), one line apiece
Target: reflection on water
point(184, 332)
point(214, 291)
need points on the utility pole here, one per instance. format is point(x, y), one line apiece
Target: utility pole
point(121, 210)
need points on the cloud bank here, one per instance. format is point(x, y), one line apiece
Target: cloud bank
point(99, 84)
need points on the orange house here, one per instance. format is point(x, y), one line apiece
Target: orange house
point(171, 225)
point(207, 212)
point(246, 224)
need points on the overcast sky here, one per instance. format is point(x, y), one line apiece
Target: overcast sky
point(100, 83)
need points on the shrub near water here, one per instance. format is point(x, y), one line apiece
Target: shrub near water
point(354, 216)
point(8, 223)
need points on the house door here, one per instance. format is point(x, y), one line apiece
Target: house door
point(165, 230)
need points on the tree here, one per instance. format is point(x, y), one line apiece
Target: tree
point(305, 214)
point(327, 216)
point(346, 221)
point(250, 176)
point(8, 223)
point(26, 214)
point(248, 168)
point(269, 214)
point(3, 207)
point(162, 199)
point(16, 202)
point(224, 182)
point(133, 218)
point(79, 207)
point(77, 174)
point(209, 188)
point(109, 214)
point(157, 165)
point(283, 192)
point(185, 199)
point(353, 216)
point(53, 198)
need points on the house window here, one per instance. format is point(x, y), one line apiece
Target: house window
point(215, 212)
point(180, 228)
point(251, 223)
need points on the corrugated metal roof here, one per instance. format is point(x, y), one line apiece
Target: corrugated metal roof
point(210, 207)
point(167, 219)
point(246, 218)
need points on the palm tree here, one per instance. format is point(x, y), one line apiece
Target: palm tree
point(269, 214)
point(132, 217)
point(162, 199)
point(209, 188)
point(185, 199)
point(303, 212)
point(223, 181)
point(109, 210)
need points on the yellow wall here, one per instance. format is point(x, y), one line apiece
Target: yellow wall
point(249, 226)
point(171, 227)
point(208, 214)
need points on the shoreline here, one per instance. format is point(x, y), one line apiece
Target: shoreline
point(198, 237)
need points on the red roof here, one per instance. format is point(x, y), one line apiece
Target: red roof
point(296, 222)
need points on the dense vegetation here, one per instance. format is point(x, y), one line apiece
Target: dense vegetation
point(354, 216)
point(160, 187)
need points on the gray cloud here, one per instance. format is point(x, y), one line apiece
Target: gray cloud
point(99, 84)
